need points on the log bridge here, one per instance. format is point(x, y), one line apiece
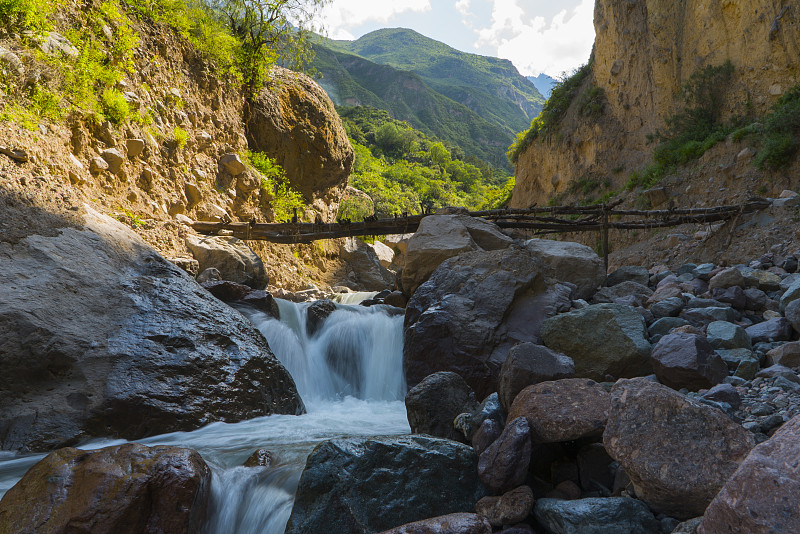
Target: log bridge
point(540, 220)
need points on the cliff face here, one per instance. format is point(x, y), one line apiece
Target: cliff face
point(645, 50)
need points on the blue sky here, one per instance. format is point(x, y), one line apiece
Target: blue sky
point(536, 35)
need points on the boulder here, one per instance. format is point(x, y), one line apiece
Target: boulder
point(486, 434)
point(667, 308)
point(262, 301)
point(629, 273)
point(663, 326)
point(316, 314)
point(227, 291)
point(761, 496)
point(792, 313)
point(725, 335)
point(563, 410)
point(596, 516)
point(471, 312)
point(384, 254)
point(791, 294)
point(361, 485)
point(509, 509)
point(440, 237)
point(259, 458)
point(104, 337)
point(734, 295)
point(231, 257)
point(447, 524)
point(638, 292)
point(687, 361)
point(370, 275)
point(12, 61)
point(529, 364)
point(504, 465)
point(787, 355)
point(434, 403)
point(55, 43)
point(777, 329)
point(570, 262)
point(603, 339)
point(114, 158)
point(702, 317)
point(677, 452)
point(294, 121)
point(125, 489)
point(727, 278)
point(232, 163)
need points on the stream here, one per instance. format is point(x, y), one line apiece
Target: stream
point(350, 376)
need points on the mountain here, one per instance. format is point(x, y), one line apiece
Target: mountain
point(543, 83)
point(495, 100)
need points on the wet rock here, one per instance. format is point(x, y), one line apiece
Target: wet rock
point(563, 410)
point(504, 465)
point(509, 509)
point(231, 257)
point(227, 291)
point(260, 458)
point(448, 524)
point(293, 120)
point(472, 311)
point(777, 329)
point(434, 403)
point(262, 301)
point(316, 315)
point(687, 361)
point(441, 237)
point(134, 348)
point(396, 299)
point(761, 496)
point(529, 364)
point(724, 335)
point(125, 489)
point(570, 262)
point(618, 348)
point(629, 273)
point(677, 452)
point(596, 516)
point(360, 485)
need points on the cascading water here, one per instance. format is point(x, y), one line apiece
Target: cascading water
point(350, 377)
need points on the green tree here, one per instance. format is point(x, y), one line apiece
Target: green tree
point(439, 155)
point(270, 31)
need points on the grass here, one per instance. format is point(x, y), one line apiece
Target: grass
point(180, 136)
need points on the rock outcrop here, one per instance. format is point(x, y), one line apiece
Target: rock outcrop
point(294, 121)
point(361, 485)
point(234, 260)
point(104, 337)
point(125, 489)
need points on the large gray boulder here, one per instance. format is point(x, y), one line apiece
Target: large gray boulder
point(101, 336)
point(687, 361)
point(461, 523)
point(369, 274)
point(677, 452)
point(471, 312)
point(604, 339)
point(361, 485)
point(570, 262)
point(433, 404)
point(234, 260)
point(529, 364)
point(440, 237)
point(124, 489)
point(611, 515)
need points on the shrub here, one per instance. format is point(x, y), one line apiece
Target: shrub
point(180, 136)
point(115, 107)
point(33, 15)
point(285, 199)
point(781, 132)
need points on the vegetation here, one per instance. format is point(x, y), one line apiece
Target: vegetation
point(31, 15)
point(694, 129)
point(548, 121)
point(404, 171)
point(284, 199)
point(781, 132)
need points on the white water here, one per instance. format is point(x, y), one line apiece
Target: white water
point(356, 297)
point(361, 394)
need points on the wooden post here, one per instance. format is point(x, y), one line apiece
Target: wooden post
point(605, 237)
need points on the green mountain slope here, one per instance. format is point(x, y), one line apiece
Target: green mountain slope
point(351, 80)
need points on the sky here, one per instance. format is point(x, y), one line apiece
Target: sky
point(538, 36)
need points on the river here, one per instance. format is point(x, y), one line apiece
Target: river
point(350, 377)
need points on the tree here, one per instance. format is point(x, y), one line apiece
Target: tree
point(270, 31)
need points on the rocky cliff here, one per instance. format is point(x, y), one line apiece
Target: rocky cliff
point(645, 51)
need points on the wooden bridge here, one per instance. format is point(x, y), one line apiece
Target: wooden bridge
point(541, 220)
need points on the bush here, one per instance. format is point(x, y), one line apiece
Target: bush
point(115, 107)
point(285, 199)
point(33, 15)
point(781, 132)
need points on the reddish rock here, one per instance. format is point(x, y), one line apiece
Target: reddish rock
point(504, 465)
point(687, 361)
point(563, 410)
point(511, 508)
point(117, 490)
point(446, 524)
point(677, 452)
point(529, 364)
point(762, 495)
point(787, 355)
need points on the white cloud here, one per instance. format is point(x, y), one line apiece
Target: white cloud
point(341, 16)
point(535, 45)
